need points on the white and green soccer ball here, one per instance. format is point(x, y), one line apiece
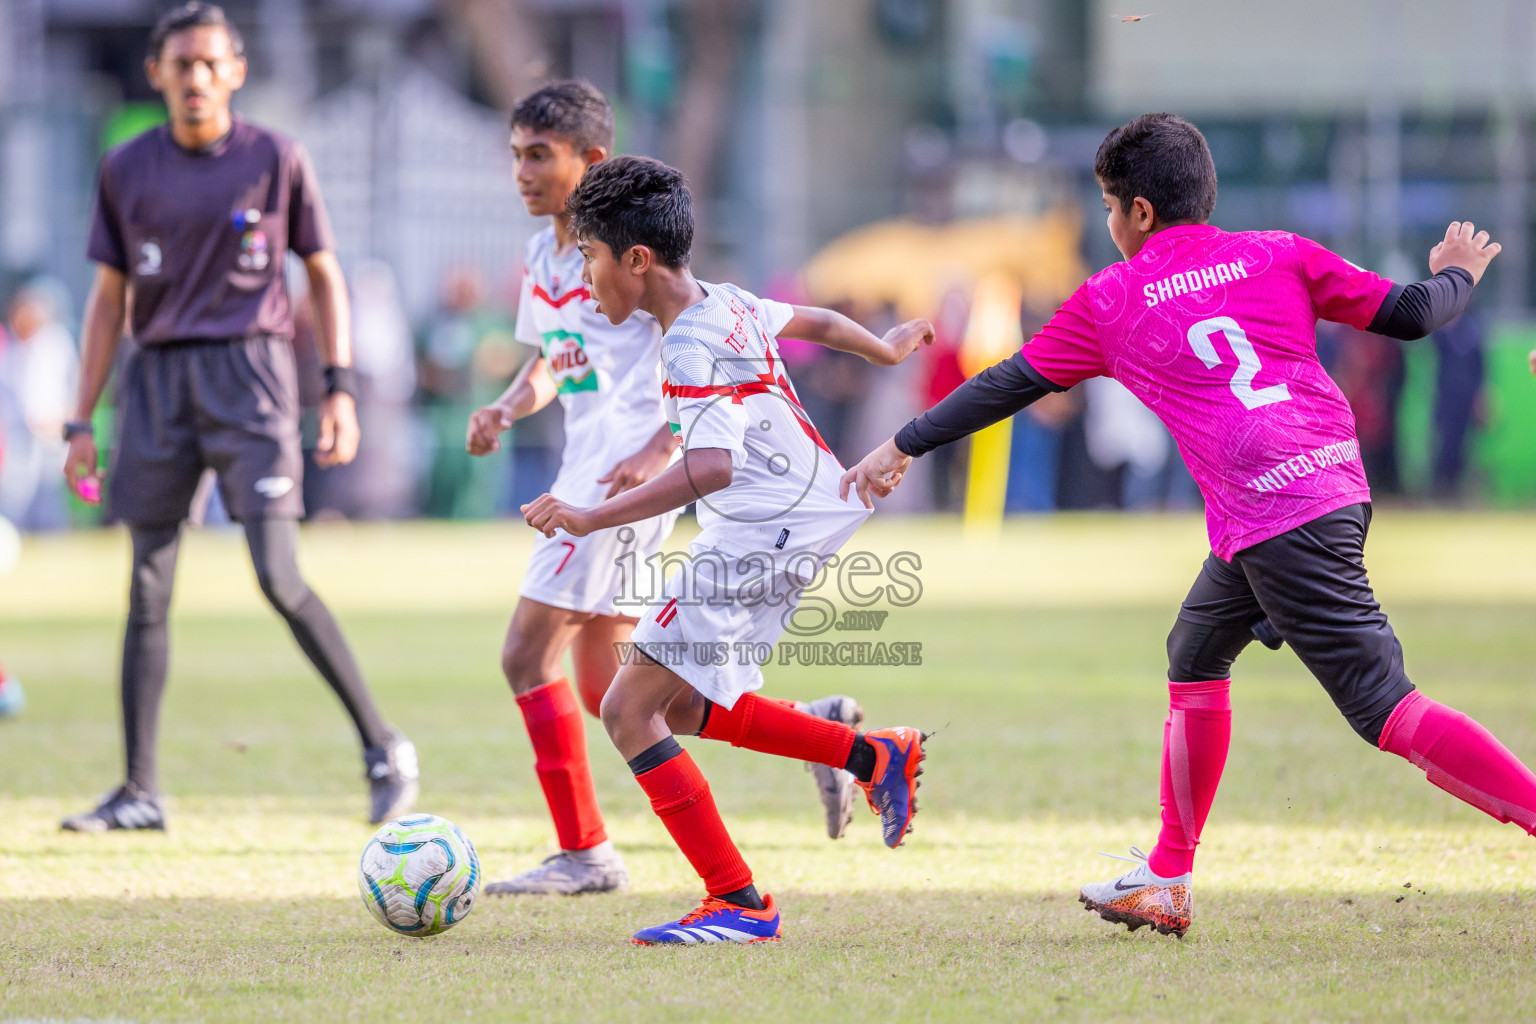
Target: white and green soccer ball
point(419, 875)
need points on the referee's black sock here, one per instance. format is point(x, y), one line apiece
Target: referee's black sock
point(274, 552)
point(146, 647)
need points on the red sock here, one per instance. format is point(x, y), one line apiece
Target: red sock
point(1462, 758)
point(559, 738)
point(1195, 740)
point(681, 799)
point(776, 727)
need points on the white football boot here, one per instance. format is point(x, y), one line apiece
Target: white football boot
point(1139, 897)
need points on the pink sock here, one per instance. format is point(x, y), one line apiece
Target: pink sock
point(1462, 758)
point(1195, 741)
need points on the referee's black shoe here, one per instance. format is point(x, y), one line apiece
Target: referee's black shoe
point(126, 807)
point(392, 779)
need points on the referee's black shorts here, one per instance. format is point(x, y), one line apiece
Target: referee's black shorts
point(1310, 584)
point(227, 405)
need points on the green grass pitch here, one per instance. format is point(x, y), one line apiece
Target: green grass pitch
point(1334, 882)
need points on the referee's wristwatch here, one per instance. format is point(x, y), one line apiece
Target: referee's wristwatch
point(340, 380)
point(78, 428)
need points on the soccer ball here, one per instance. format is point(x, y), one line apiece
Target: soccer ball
point(419, 875)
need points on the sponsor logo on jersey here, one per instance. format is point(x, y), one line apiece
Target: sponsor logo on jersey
point(274, 487)
point(566, 354)
point(151, 259)
point(254, 253)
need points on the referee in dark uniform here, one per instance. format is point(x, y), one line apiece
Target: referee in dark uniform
point(193, 223)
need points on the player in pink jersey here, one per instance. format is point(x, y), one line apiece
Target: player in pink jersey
point(1215, 332)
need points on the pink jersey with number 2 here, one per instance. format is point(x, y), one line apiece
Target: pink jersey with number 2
point(1216, 333)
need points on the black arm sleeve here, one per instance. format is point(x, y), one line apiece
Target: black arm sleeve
point(1411, 312)
point(995, 393)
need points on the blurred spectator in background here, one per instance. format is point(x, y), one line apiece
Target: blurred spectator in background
point(941, 365)
point(465, 357)
point(1370, 371)
point(1038, 433)
point(1459, 372)
point(39, 371)
point(1125, 439)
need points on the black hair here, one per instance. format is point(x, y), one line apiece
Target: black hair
point(634, 200)
point(572, 108)
point(1163, 159)
point(193, 15)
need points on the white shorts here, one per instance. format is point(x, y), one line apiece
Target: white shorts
point(715, 631)
point(586, 574)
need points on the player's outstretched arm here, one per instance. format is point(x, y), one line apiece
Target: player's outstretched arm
point(835, 331)
point(700, 472)
point(1457, 264)
point(878, 472)
point(531, 390)
point(643, 465)
point(994, 394)
point(1463, 248)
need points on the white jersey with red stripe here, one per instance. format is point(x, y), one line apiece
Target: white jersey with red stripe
point(607, 377)
point(726, 387)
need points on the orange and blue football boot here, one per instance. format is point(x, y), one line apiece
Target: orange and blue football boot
point(892, 788)
point(715, 920)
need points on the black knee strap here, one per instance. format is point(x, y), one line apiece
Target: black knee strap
point(656, 755)
point(1199, 653)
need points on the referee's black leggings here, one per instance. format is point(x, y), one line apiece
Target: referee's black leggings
point(273, 545)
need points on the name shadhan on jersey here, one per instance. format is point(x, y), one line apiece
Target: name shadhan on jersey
point(1197, 280)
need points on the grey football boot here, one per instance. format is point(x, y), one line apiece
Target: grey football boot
point(393, 779)
point(836, 786)
point(126, 808)
point(569, 873)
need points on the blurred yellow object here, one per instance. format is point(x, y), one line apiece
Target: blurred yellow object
point(986, 482)
point(995, 330)
point(993, 333)
point(911, 266)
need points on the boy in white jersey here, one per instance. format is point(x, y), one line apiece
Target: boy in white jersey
point(766, 487)
point(606, 378)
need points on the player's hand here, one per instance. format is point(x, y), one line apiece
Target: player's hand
point(81, 468)
point(635, 470)
point(547, 513)
point(1533, 361)
point(880, 471)
point(904, 339)
point(339, 433)
point(1461, 248)
point(485, 426)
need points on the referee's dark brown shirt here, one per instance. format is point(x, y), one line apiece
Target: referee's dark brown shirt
point(202, 235)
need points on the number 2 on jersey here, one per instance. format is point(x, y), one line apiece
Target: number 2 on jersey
point(1247, 361)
